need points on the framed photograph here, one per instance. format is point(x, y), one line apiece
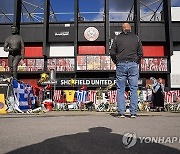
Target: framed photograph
point(90, 62)
point(81, 62)
point(144, 64)
point(30, 65)
point(163, 64)
point(61, 64)
point(97, 63)
point(51, 64)
point(39, 65)
point(153, 64)
point(113, 66)
point(22, 66)
point(69, 64)
point(4, 65)
point(105, 62)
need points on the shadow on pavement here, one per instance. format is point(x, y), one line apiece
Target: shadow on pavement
point(98, 140)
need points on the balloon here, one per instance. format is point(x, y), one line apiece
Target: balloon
point(49, 87)
point(72, 82)
point(44, 77)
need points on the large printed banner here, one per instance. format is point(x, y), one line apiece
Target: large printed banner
point(31, 65)
point(154, 64)
point(95, 63)
point(61, 64)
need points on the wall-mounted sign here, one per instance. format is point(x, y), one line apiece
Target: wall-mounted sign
point(57, 50)
point(67, 25)
point(91, 33)
point(61, 33)
point(103, 82)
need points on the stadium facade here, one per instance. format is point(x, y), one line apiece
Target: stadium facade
point(80, 49)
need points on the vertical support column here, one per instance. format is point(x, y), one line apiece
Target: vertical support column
point(107, 25)
point(76, 12)
point(169, 37)
point(46, 32)
point(137, 20)
point(17, 14)
point(137, 17)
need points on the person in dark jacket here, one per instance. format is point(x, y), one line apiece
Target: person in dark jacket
point(15, 46)
point(126, 52)
point(158, 94)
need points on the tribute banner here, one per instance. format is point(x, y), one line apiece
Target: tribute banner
point(61, 64)
point(154, 64)
point(92, 62)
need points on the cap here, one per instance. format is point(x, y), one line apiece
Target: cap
point(83, 87)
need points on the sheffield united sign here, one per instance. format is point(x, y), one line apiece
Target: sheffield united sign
point(92, 82)
point(91, 34)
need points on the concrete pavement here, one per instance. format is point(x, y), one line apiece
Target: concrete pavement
point(89, 132)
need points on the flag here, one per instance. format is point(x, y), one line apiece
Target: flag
point(81, 96)
point(57, 95)
point(40, 95)
point(169, 96)
point(177, 92)
point(92, 96)
point(112, 94)
point(172, 96)
point(24, 95)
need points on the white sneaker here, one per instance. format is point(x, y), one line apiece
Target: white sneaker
point(133, 115)
point(121, 115)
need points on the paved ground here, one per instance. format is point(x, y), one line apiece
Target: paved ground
point(89, 132)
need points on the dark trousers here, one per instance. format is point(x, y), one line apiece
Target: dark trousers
point(13, 62)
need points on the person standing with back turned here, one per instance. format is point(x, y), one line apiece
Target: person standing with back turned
point(126, 53)
point(15, 46)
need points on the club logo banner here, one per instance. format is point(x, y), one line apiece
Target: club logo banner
point(91, 34)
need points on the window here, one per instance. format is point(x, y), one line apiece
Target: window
point(151, 10)
point(91, 10)
point(32, 11)
point(62, 10)
point(6, 11)
point(121, 10)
